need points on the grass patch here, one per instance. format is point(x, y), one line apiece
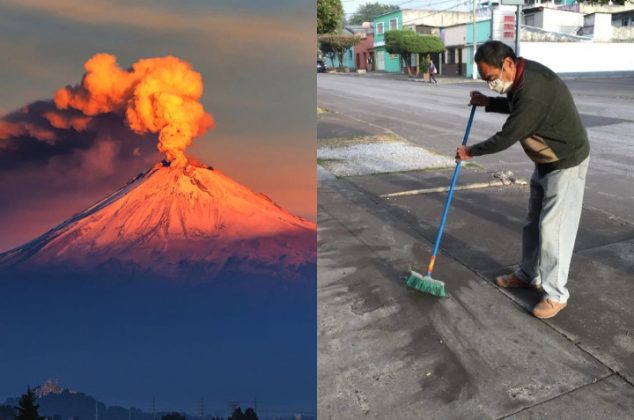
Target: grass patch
point(325, 162)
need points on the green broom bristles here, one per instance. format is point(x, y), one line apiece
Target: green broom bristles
point(425, 284)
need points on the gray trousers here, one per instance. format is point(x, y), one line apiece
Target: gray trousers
point(548, 237)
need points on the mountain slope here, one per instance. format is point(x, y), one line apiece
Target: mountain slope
point(191, 222)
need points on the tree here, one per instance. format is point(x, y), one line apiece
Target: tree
point(27, 408)
point(7, 412)
point(174, 415)
point(406, 42)
point(237, 414)
point(336, 45)
point(367, 12)
point(249, 414)
point(329, 16)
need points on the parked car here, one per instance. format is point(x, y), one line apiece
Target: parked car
point(321, 66)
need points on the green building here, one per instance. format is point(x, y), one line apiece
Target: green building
point(422, 21)
point(383, 60)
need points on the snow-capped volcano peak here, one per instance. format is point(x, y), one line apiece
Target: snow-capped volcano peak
point(169, 219)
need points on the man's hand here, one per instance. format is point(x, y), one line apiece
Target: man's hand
point(463, 153)
point(479, 99)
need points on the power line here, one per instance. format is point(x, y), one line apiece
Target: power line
point(400, 4)
point(435, 12)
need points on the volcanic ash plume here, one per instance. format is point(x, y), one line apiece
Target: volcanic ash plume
point(157, 95)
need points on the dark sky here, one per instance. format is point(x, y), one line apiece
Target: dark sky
point(233, 340)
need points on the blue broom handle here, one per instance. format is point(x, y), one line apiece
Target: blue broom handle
point(445, 210)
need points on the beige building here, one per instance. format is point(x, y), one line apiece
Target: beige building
point(433, 18)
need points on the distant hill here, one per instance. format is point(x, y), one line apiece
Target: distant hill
point(58, 403)
point(67, 404)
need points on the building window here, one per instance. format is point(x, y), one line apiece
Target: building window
point(393, 24)
point(422, 29)
point(379, 28)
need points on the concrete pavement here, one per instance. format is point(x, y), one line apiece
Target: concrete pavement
point(387, 351)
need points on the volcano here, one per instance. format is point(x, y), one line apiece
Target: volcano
point(189, 222)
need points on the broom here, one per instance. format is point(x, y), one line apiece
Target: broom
point(426, 283)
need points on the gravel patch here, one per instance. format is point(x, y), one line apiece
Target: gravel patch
point(380, 157)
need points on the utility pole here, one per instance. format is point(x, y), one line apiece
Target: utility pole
point(518, 29)
point(474, 69)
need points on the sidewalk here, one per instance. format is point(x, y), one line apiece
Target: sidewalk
point(442, 79)
point(387, 351)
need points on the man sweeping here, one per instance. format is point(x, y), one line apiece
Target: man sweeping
point(545, 120)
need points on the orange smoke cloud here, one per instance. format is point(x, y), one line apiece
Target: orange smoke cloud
point(65, 122)
point(157, 95)
point(10, 129)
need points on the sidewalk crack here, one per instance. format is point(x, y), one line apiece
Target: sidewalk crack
point(559, 395)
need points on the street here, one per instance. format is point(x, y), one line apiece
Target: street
point(434, 116)
point(387, 351)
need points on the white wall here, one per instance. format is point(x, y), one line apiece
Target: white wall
point(602, 27)
point(560, 20)
point(455, 35)
point(581, 57)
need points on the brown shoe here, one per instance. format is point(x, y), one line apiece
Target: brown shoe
point(512, 281)
point(547, 308)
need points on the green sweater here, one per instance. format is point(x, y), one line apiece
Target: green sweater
point(542, 117)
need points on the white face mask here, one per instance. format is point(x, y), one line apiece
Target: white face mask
point(500, 86)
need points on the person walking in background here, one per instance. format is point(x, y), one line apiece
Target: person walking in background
point(432, 70)
point(544, 119)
